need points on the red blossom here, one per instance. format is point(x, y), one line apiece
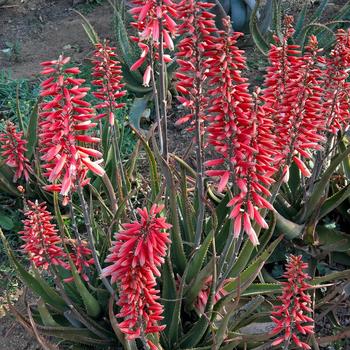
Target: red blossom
point(194, 57)
point(240, 133)
point(202, 298)
point(41, 238)
point(154, 21)
point(336, 107)
point(107, 71)
point(82, 259)
point(302, 123)
point(65, 118)
point(290, 317)
point(137, 253)
point(13, 151)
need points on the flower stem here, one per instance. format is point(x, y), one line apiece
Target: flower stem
point(91, 240)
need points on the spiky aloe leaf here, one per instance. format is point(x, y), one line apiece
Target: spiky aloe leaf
point(258, 38)
point(300, 21)
point(262, 288)
point(193, 337)
point(332, 240)
point(32, 134)
point(89, 29)
point(45, 315)
point(289, 228)
point(6, 184)
point(169, 296)
point(244, 312)
point(155, 184)
point(249, 274)
point(334, 201)
point(37, 284)
point(198, 258)
point(137, 110)
point(319, 189)
point(92, 306)
point(346, 162)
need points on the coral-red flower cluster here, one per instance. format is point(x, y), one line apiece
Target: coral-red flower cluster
point(107, 74)
point(194, 57)
point(293, 95)
point(42, 243)
point(82, 259)
point(65, 118)
point(154, 21)
point(290, 317)
point(336, 107)
point(240, 133)
point(13, 147)
point(137, 253)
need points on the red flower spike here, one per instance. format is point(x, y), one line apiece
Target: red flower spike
point(240, 133)
point(202, 298)
point(41, 238)
point(302, 123)
point(82, 259)
point(137, 253)
point(108, 74)
point(195, 55)
point(13, 151)
point(289, 317)
point(153, 21)
point(293, 94)
point(61, 119)
point(336, 107)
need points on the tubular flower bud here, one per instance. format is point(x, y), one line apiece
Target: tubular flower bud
point(42, 243)
point(13, 148)
point(194, 57)
point(137, 253)
point(290, 317)
point(64, 119)
point(240, 133)
point(108, 75)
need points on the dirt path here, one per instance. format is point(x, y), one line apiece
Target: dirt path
point(37, 30)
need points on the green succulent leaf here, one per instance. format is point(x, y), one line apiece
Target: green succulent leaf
point(137, 110)
point(289, 228)
point(258, 38)
point(262, 288)
point(89, 29)
point(319, 11)
point(32, 131)
point(36, 284)
point(300, 20)
point(6, 222)
point(319, 189)
point(334, 201)
point(247, 277)
point(199, 258)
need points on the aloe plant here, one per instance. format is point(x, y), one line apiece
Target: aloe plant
point(211, 287)
point(306, 24)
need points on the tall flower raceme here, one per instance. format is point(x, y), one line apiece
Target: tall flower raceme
point(195, 55)
point(82, 259)
point(13, 147)
point(301, 124)
point(137, 253)
point(64, 121)
point(107, 74)
point(154, 21)
point(336, 107)
point(290, 317)
point(240, 134)
point(42, 243)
